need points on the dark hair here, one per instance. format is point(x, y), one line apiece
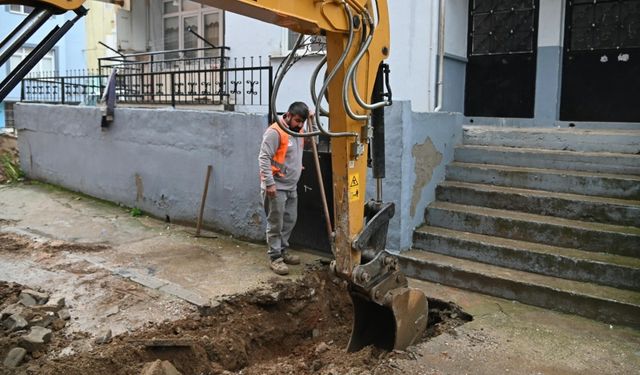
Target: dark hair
point(299, 109)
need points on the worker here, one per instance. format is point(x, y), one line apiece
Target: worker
point(280, 163)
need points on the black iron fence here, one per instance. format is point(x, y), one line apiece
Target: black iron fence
point(182, 77)
point(74, 87)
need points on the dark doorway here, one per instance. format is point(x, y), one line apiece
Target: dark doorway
point(601, 61)
point(310, 230)
point(501, 52)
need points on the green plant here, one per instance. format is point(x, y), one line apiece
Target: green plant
point(135, 212)
point(11, 169)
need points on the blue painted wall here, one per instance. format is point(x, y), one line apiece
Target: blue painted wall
point(69, 51)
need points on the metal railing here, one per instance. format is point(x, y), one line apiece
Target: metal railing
point(180, 77)
point(75, 87)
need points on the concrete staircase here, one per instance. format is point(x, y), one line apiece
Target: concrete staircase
point(545, 216)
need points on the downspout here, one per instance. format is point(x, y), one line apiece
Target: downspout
point(440, 75)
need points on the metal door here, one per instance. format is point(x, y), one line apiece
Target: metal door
point(501, 51)
point(310, 231)
point(601, 61)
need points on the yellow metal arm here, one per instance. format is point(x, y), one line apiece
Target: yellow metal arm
point(60, 5)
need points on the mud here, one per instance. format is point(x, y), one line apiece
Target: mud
point(289, 327)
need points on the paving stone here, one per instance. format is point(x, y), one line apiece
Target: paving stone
point(36, 339)
point(159, 367)
point(184, 294)
point(14, 357)
point(148, 281)
point(12, 309)
point(15, 322)
point(103, 337)
point(39, 297)
point(64, 314)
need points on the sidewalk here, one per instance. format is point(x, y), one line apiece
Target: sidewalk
point(503, 338)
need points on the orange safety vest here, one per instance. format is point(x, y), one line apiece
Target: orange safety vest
point(277, 163)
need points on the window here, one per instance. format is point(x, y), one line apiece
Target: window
point(314, 43)
point(180, 16)
point(46, 65)
point(20, 9)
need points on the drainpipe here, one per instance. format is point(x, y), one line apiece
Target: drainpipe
point(440, 75)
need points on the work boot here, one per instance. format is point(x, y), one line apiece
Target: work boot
point(290, 259)
point(278, 266)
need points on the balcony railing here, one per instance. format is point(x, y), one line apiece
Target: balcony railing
point(197, 76)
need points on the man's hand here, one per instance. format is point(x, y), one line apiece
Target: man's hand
point(271, 191)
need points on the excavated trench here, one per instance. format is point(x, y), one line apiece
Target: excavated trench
point(292, 327)
point(296, 327)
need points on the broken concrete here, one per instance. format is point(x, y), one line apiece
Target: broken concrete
point(15, 322)
point(64, 314)
point(39, 297)
point(103, 337)
point(14, 357)
point(12, 309)
point(36, 340)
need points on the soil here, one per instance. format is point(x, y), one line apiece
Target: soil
point(289, 327)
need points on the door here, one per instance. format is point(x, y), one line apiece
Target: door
point(501, 52)
point(311, 230)
point(601, 61)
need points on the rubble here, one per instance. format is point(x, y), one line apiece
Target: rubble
point(15, 323)
point(36, 339)
point(12, 309)
point(39, 297)
point(64, 314)
point(103, 337)
point(14, 357)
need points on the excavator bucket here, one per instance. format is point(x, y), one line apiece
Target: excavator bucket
point(396, 324)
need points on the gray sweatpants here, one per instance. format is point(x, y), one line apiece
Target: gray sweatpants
point(282, 213)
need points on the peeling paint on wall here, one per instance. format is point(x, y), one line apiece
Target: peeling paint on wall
point(426, 158)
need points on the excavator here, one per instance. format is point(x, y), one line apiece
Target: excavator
point(387, 312)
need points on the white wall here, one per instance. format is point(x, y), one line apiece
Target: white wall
point(413, 51)
point(456, 22)
point(551, 25)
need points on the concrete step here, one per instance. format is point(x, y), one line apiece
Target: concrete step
point(529, 123)
point(571, 139)
point(574, 182)
point(603, 162)
point(568, 206)
point(615, 306)
point(607, 238)
point(604, 269)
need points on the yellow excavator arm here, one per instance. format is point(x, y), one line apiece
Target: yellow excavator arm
point(387, 313)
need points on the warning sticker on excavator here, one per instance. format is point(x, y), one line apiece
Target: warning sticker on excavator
point(354, 187)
